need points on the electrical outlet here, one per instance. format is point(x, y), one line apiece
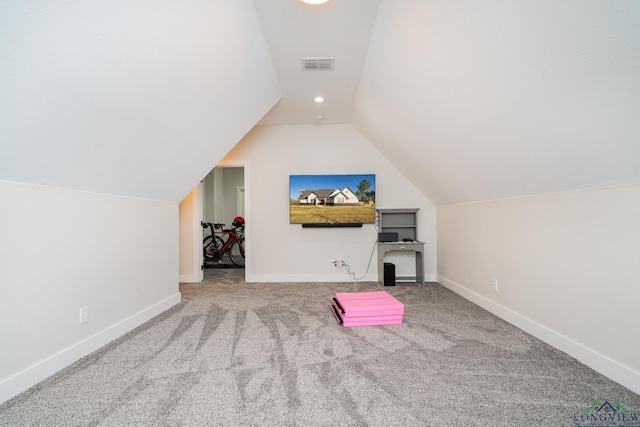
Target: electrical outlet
point(495, 285)
point(338, 263)
point(84, 315)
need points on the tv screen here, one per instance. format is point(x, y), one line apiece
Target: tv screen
point(332, 200)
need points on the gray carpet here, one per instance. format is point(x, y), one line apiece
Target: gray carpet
point(239, 354)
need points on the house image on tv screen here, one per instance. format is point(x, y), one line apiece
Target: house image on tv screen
point(332, 199)
point(328, 197)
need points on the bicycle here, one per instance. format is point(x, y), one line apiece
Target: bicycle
point(223, 241)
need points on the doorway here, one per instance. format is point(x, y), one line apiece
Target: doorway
point(224, 199)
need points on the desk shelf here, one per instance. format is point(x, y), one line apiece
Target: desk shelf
point(401, 221)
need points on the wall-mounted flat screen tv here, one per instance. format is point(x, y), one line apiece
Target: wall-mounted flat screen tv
point(332, 200)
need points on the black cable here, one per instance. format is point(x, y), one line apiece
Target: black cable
point(348, 267)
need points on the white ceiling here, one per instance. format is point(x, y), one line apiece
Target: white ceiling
point(470, 100)
point(474, 100)
point(340, 29)
point(129, 97)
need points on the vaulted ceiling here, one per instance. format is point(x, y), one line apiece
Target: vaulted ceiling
point(471, 100)
point(137, 98)
point(298, 35)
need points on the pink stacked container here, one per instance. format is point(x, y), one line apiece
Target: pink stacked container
point(367, 309)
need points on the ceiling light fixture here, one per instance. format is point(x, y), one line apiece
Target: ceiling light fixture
point(315, 1)
point(318, 99)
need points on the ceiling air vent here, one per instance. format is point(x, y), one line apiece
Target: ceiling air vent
point(312, 64)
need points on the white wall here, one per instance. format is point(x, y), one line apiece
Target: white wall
point(210, 190)
point(233, 178)
point(494, 99)
point(279, 251)
point(220, 194)
point(128, 97)
point(567, 270)
point(190, 237)
point(62, 250)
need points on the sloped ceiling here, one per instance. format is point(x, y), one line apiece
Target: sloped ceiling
point(338, 29)
point(136, 98)
point(492, 99)
point(471, 100)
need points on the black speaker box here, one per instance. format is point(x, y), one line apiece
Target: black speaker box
point(387, 237)
point(389, 274)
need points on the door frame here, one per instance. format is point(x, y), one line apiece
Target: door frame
point(198, 261)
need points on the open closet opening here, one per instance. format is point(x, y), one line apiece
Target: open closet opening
point(224, 218)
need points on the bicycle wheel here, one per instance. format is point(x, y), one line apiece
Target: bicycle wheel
point(236, 254)
point(211, 247)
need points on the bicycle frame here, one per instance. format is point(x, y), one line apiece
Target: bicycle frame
point(232, 236)
point(216, 245)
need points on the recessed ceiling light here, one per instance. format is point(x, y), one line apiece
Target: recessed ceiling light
point(315, 1)
point(318, 99)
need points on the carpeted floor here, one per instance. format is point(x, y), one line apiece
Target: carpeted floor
point(266, 354)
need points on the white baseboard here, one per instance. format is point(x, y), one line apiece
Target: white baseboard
point(189, 278)
point(31, 376)
point(305, 278)
point(596, 361)
point(343, 277)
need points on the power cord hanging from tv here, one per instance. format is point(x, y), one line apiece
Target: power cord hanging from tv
point(353, 275)
point(347, 267)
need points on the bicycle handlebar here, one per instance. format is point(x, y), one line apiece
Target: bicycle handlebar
point(217, 226)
